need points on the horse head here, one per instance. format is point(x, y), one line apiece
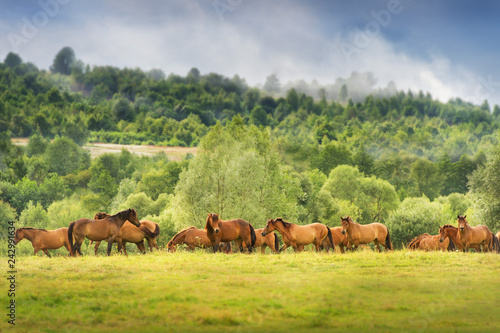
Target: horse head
point(19, 235)
point(345, 221)
point(171, 247)
point(270, 226)
point(442, 233)
point(132, 217)
point(213, 221)
point(100, 216)
point(462, 222)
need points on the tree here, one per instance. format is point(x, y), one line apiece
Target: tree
point(426, 175)
point(343, 94)
point(484, 188)
point(63, 61)
point(237, 174)
point(64, 156)
point(258, 116)
point(331, 155)
point(272, 84)
point(12, 60)
point(122, 110)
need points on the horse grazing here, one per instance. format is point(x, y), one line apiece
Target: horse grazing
point(298, 236)
point(129, 233)
point(428, 242)
point(100, 229)
point(237, 230)
point(338, 240)
point(192, 237)
point(44, 240)
point(365, 234)
point(479, 235)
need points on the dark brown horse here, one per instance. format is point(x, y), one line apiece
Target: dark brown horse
point(298, 236)
point(428, 242)
point(101, 229)
point(129, 233)
point(44, 240)
point(363, 234)
point(479, 235)
point(239, 231)
point(339, 240)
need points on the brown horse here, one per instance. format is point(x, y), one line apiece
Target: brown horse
point(129, 233)
point(365, 234)
point(338, 240)
point(451, 232)
point(479, 235)
point(44, 240)
point(193, 237)
point(101, 229)
point(428, 242)
point(270, 240)
point(298, 236)
point(239, 231)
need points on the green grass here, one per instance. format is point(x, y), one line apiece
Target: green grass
point(203, 292)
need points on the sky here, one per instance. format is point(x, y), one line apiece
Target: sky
point(449, 48)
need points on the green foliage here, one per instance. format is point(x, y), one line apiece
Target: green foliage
point(34, 216)
point(63, 61)
point(7, 214)
point(62, 213)
point(64, 156)
point(235, 174)
point(414, 217)
point(13, 60)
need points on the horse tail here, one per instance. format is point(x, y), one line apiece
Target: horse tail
point(451, 245)
point(148, 232)
point(388, 244)
point(70, 238)
point(276, 242)
point(252, 235)
point(330, 237)
point(495, 243)
point(157, 230)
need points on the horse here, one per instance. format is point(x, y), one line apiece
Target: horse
point(270, 240)
point(100, 229)
point(428, 242)
point(129, 233)
point(44, 240)
point(237, 230)
point(451, 232)
point(338, 240)
point(478, 235)
point(193, 237)
point(298, 236)
point(365, 234)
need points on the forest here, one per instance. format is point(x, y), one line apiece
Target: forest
point(401, 158)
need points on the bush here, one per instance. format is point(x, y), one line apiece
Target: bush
point(414, 217)
point(34, 216)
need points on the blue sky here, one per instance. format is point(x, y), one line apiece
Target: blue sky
point(448, 48)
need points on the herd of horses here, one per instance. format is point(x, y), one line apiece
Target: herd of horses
point(124, 227)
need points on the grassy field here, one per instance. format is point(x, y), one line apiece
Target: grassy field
point(204, 292)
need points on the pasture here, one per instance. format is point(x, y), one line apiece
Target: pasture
point(398, 291)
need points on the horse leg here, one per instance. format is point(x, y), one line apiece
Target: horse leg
point(140, 246)
point(110, 245)
point(239, 244)
point(120, 245)
point(263, 248)
point(96, 247)
point(284, 247)
point(47, 253)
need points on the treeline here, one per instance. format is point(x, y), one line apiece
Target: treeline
point(407, 145)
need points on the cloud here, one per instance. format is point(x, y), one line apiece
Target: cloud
point(251, 39)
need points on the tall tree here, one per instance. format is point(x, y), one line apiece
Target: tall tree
point(63, 61)
point(12, 60)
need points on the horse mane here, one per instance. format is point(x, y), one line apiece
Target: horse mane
point(30, 228)
point(180, 232)
point(124, 214)
point(285, 224)
point(449, 226)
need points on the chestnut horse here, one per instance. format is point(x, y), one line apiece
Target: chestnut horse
point(193, 237)
point(428, 242)
point(237, 230)
point(364, 234)
point(44, 240)
point(129, 233)
point(338, 240)
point(479, 235)
point(270, 240)
point(298, 236)
point(101, 229)
point(451, 232)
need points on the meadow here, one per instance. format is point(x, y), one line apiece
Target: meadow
point(205, 292)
